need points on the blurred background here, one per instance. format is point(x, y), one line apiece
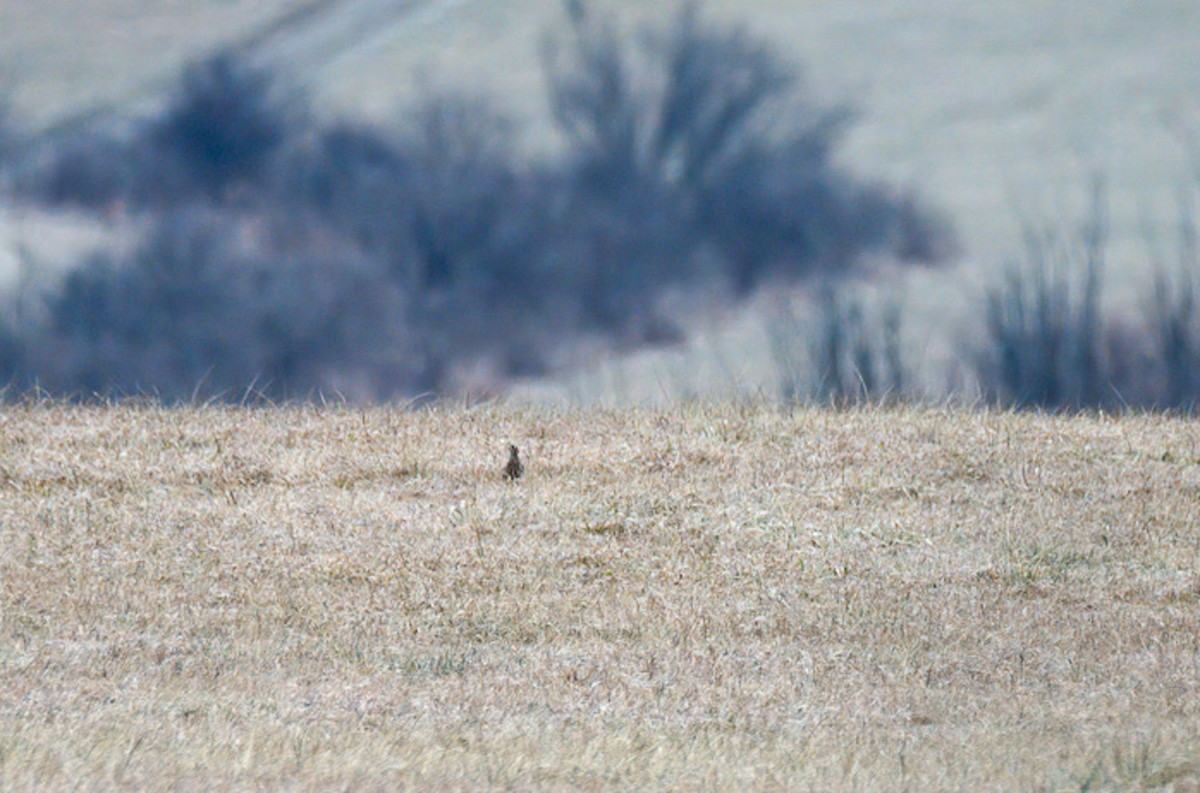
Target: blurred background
point(601, 201)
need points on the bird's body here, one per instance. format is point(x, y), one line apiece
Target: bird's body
point(514, 468)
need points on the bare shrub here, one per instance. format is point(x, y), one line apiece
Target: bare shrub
point(706, 117)
point(196, 309)
point(1045, 335)
point(677, 110)
point(1173, 318)
point(90, 169)
point(845, 349)
point(223, 126)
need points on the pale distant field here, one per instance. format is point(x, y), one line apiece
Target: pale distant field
point(705, 597)
point(992, 108)
point(59, 57)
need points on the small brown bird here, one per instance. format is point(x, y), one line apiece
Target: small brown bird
point(514, 468)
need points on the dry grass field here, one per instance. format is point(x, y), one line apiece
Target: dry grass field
point(702, 597)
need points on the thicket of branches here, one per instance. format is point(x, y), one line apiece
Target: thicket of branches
point(1048, 337)
point(302, 256)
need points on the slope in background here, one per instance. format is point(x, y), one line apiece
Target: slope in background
point(997, 112)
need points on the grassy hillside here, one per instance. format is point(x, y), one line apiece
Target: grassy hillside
point(704, 597)
point(61, 59)
point(995, 108)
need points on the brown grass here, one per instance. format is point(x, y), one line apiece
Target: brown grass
point(702, 597)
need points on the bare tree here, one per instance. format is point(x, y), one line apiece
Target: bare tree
point(592, 94)
point(674, 107)
point(224, 124)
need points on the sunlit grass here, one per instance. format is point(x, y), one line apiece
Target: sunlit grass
point(718, 597)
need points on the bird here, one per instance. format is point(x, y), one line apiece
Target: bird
point(514, 468)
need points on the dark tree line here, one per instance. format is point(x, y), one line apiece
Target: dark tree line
point(301, 255)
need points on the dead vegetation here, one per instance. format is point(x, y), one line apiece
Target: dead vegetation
point(732, 597)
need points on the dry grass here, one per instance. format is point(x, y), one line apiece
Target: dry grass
point(701, 597)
